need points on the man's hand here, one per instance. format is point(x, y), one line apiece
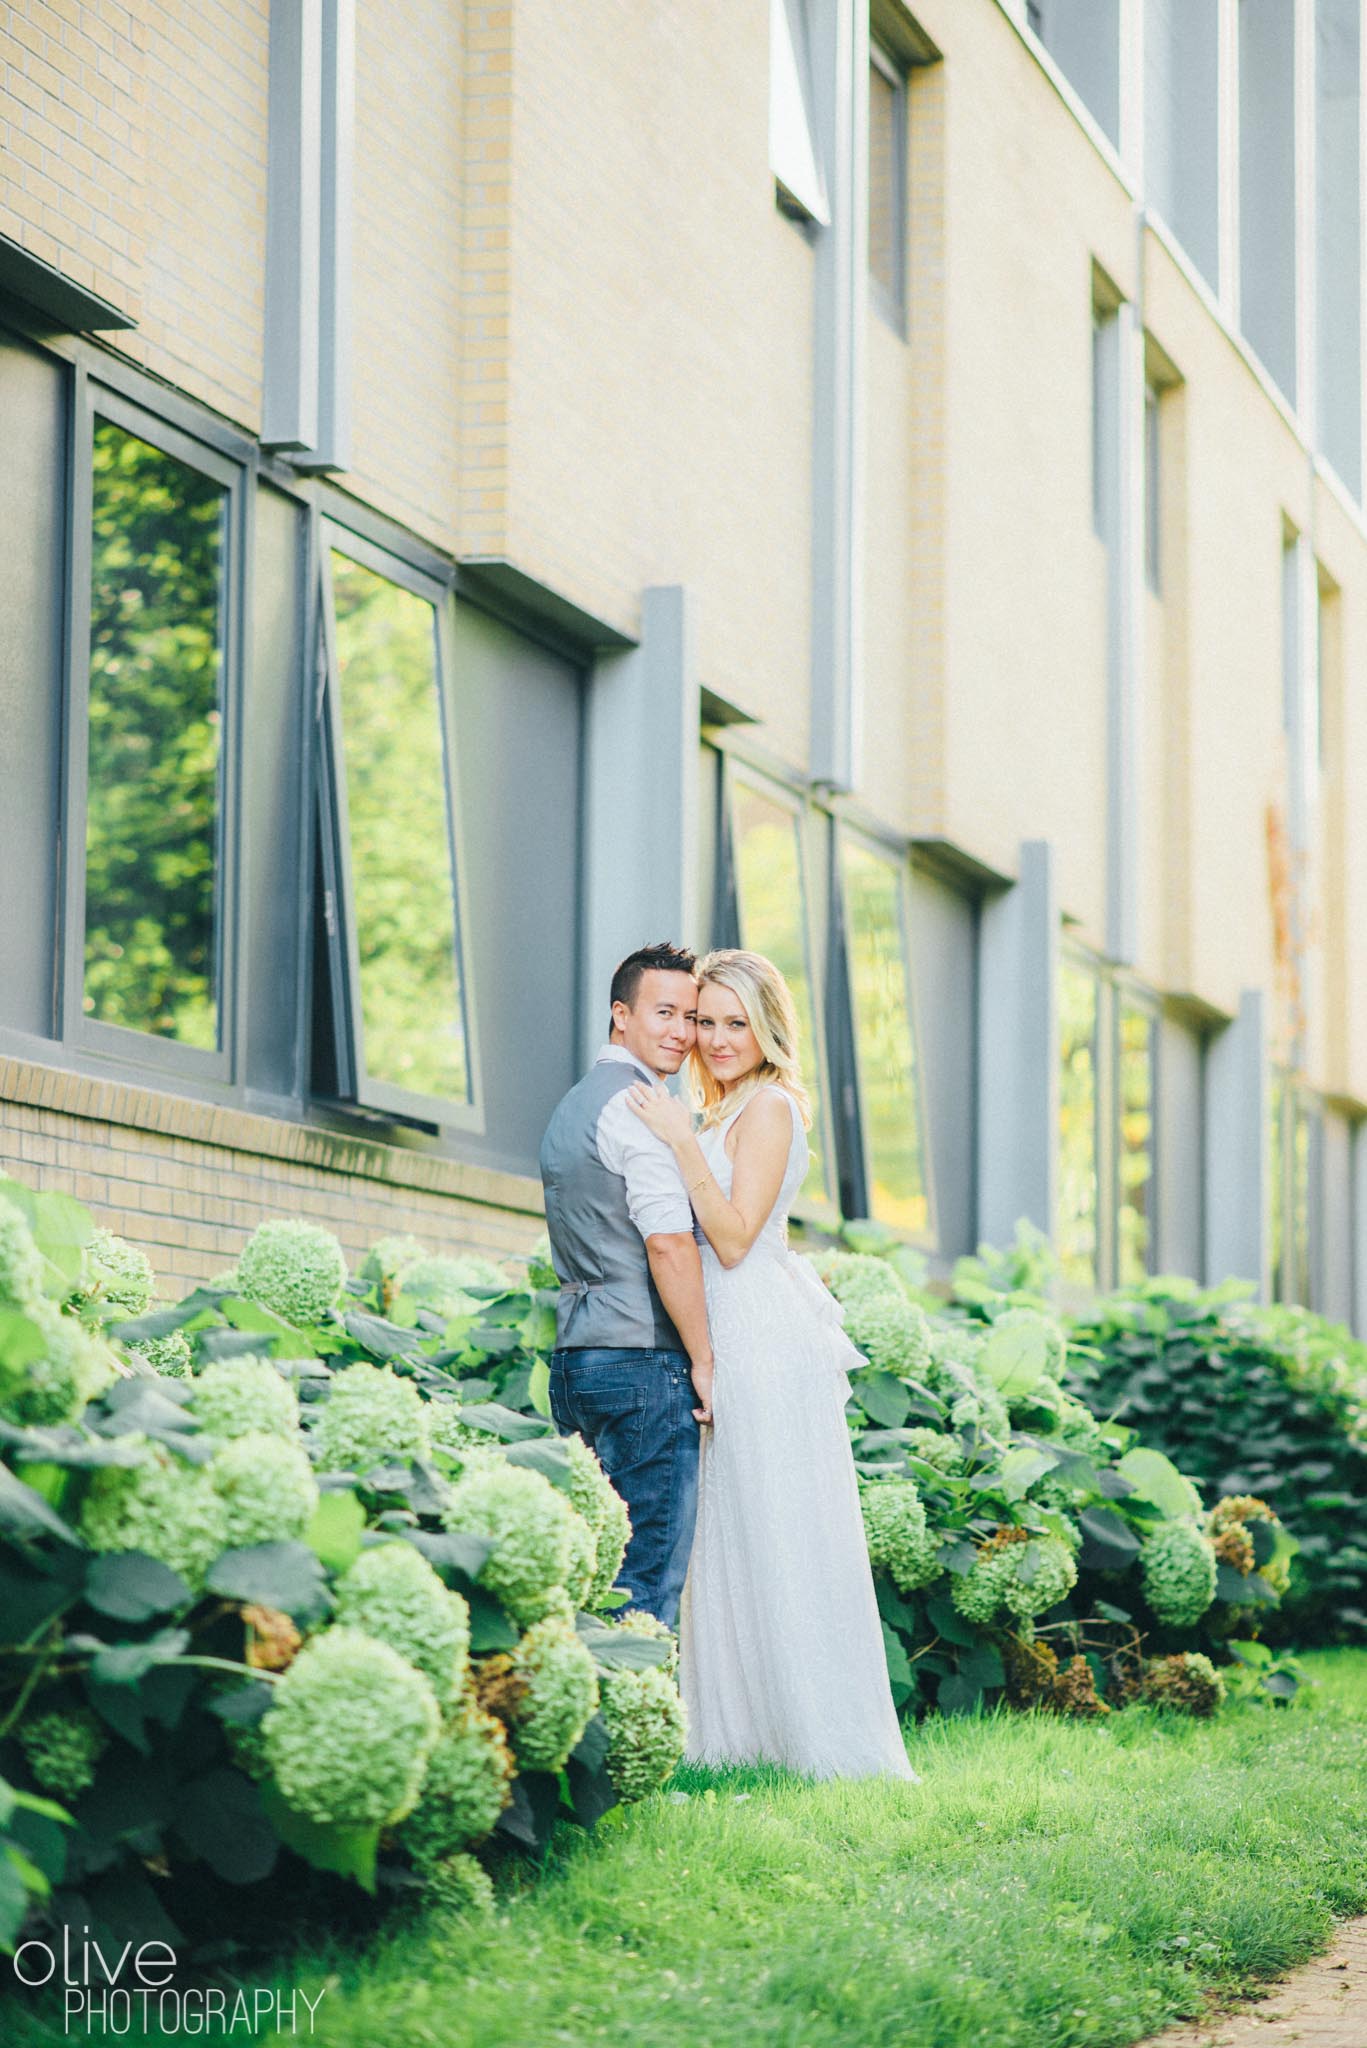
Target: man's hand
point(700, 1372)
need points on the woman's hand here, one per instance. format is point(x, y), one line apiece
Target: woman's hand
point(661, 1112)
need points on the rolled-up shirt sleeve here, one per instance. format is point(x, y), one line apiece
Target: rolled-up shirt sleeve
point(656, 1201)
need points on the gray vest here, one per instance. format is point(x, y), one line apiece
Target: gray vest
point(607, 1296)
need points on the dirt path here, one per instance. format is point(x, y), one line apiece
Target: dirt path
point(1322, 2006)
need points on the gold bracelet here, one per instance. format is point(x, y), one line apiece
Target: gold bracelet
point(698, 1183)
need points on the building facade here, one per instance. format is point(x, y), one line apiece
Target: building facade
point(488, 485)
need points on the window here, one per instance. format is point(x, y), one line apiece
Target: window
point(887, 1066)
point(1083, 38)
point(1338, 237)
point(887, 185)
point(1135, 1151)
point(774, 919)
point(793, 155)
point(1078, 1222)
point(1267, 185)
point(1182, 123)
point(148, 911)
point(389, 864)
point(1293, 1134)
point(1105, 418)
point(1153, 483)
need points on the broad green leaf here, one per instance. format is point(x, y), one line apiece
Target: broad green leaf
point(502, 1422)
point(286, 1576)
point(1020, 1468)
point(334, 1534)
point(1251, 1653)
point(882, 1397)
point(1014, 1357)
point(958, 1695)
point(1108, 1543)
point(540, 1388)
point(24, 1513)
point(621, 1649)
point(1155, 1478)
point(131, 1586)
point(547, 1455)
point(349, 1852)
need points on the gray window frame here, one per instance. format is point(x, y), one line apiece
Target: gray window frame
point(784, 797)
point(897, 854)
point(1117, 991)
point(337, 527)
point(892, 304)
point(1132, 995)
point(171, 431)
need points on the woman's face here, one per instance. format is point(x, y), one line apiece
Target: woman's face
point(727, 1046)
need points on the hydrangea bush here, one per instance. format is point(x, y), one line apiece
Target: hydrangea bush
point(312, 1542)
point(1013, 1530)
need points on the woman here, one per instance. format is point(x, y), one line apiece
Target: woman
point(781, 1647)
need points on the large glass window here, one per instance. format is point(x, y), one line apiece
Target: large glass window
point(394, 835)
point(771, 891)
point(1078, 1180)
point(896, 1155)
point(1292, 1122)
point(154, 716)
point(887, 184)
point(1134, 1213)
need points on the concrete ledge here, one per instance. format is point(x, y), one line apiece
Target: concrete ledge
point(144, 1109)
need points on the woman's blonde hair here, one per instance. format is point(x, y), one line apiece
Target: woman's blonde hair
point(768, 1004)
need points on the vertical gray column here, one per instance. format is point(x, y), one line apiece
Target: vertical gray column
point(307, 398)
point(839, 45)
point(1118, 424)
point(1236, 1147)
point(1017, 1138)
point(640, 807)
point(1358, 1175)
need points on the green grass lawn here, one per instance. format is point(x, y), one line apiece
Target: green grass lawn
point(1050, 1883)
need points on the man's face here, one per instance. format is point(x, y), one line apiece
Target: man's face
point(662, 1024)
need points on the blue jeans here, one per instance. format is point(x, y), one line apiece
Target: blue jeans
point(635, 1409)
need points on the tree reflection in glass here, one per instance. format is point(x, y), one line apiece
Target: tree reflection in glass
point(885, 1046)
point(1077, 1180)
point(151, 853)
point(412, 1007)
point(1276, 1187)
point(772, 905)
point(1136, 1144)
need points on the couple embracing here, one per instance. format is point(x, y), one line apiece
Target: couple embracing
point(707, 1366)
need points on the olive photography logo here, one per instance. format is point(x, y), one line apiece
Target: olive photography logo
point(109, 1990)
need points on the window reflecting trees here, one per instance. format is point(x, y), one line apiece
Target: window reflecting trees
point(153, 742)
point(896, 1164)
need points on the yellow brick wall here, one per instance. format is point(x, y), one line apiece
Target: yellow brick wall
point(192, 1201)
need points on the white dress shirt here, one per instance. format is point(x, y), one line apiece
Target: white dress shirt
point(655, 1191)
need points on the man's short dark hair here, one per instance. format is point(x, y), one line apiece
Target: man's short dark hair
point(664, 958)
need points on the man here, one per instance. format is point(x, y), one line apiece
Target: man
point(632, 1368)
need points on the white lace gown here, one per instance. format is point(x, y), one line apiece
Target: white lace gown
point(781, 1647)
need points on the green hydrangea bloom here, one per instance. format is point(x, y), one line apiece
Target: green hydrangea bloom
point(172, 1356)
point(74, 1367)
point(899, 1541)
point(541, 1271)
point(582, 1568)
point(243, 1396)
point(62, 1748)
point(561, 1697)
point(646, 1725)
point(465, 1790)
point(371, 1417)
point(350, 1731)
point(447, 1432)
point(441, 1282)
point(593, 1495)
point(227, 1278)
point(954, 1349)
point(295, 1269)
point(1177, 1564)
point(531, 1525)
point(460, 1884)
point(1052, 1576)
point(639, 1623)
point(162, 1505)
point(981, 1407)
point(267, 1486)
point(387, 1259)
point(935, 1448)
point(980, 1593)
point(392, 1592)
point(117, 1273)
point(1056, 1353)
point(21, 1262)
point(1189, 1682)
point(893, 1334)
point(857, 1278)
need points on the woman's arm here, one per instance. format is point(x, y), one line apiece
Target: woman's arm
point(764, 1132)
